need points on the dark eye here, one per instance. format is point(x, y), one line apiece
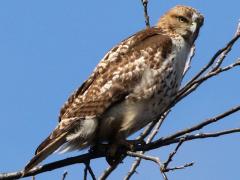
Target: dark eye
point(182, 19)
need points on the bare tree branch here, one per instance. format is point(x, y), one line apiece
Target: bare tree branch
point(146, 157)
point(64, 175)
point(146, 131)
point(107, 172)
point(88, 169)
point(150, 158)
point(171, 155)
point(197, 83)
point(168, 140)
point(110, 169)
point(224, 54)
point(180, 167)
point(145, 7)
point(91, 172)
point(85, 173)
point(55, 165)
point(205, 135)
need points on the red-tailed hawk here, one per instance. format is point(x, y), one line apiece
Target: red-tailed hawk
point(129, 88)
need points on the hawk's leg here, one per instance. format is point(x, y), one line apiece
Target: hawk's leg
point(95, 148)
point(118, 148)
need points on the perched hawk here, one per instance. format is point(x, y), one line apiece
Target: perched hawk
point(129, 88)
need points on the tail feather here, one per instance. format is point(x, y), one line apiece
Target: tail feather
point(45, 149)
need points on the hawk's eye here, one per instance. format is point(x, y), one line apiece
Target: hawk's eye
point(182, 19)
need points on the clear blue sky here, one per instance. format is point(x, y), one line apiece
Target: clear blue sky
point(47, 49)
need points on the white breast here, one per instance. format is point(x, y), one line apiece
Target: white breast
point(181, 53)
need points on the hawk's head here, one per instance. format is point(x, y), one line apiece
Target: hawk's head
point(182, 20)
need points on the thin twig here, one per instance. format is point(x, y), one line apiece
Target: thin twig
point(110, 169)
point(146, 157)
point(90, 170)
point(224, 54)
point(180, 167)
point(150, 158)
point(145, 7)
point(199, 136)
point(171, 155)
point(157, 127)
point(146, 131)
point(85, 172)
point(107, 172)
point(64, 175)
point(207, 135)
point(197, 83)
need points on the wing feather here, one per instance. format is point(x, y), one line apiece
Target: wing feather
point(117, 67)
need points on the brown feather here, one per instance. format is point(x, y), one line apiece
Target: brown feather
point(44, 153)
point(95, 103)
point(56, 139)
